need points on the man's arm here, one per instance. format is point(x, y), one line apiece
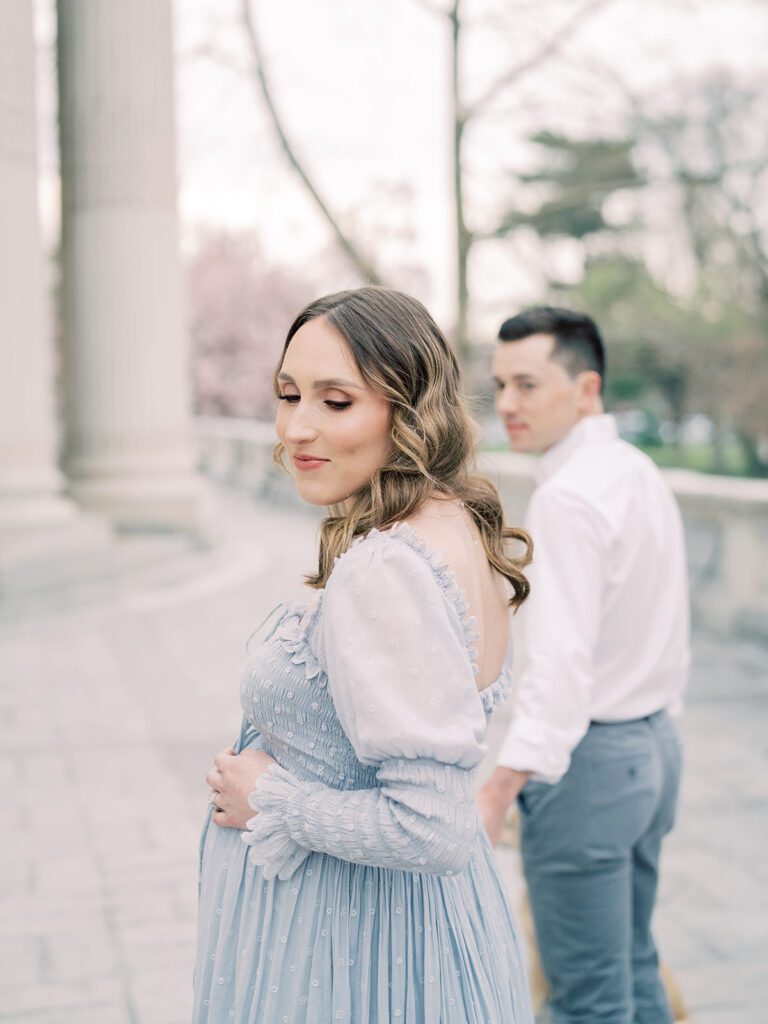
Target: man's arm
point(560, 622)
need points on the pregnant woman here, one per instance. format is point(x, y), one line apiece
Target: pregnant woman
point(344, 874)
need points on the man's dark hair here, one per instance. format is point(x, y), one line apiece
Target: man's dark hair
point(578, 345)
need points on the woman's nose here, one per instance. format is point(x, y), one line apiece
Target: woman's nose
point(300, 426)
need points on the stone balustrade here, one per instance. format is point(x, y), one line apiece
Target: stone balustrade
point(726, 519)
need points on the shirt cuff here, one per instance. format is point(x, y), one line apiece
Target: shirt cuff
point(547, 757)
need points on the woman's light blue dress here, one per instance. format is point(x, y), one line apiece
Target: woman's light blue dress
point(364, 890)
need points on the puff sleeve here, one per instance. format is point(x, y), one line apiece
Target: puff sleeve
point(403, 685)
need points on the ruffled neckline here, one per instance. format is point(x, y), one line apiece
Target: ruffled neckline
point(298, 619)
point(293, 629)
point(494, 693)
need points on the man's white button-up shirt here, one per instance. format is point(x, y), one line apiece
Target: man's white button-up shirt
point(606, 627)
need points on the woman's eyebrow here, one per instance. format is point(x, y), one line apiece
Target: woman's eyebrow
point(328, 382)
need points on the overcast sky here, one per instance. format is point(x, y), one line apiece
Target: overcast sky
point(362, 85)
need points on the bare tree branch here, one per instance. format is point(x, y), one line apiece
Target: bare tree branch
point(514, 74)
point(221, 58)
point(600, 69)
point(752, 242)
point(363, 266)
point(463, 235)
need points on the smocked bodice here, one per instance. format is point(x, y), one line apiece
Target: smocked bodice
point(285, 692)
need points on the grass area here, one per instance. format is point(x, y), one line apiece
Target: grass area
point(700, 457)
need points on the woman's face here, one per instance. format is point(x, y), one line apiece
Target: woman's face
point(335, 428)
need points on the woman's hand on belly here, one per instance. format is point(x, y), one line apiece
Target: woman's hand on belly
point(231, 779)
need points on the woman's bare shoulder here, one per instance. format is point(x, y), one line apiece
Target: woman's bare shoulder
point(443, 524)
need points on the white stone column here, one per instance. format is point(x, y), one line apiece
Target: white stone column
point(128, 440)
point(32, 508)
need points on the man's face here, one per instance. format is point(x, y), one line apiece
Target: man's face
point(537, 399)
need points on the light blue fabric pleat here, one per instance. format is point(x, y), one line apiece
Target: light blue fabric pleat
point(338, 939)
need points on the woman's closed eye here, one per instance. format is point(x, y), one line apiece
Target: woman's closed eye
point(337, 405)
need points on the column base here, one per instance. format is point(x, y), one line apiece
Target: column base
point(153, 504)
point(38, 530)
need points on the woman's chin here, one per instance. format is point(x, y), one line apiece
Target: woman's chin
point(323, 496)
point(314, 495)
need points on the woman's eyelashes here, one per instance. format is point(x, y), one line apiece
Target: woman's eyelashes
point(336, 405)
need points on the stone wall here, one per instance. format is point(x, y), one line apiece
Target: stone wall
point(726, 519)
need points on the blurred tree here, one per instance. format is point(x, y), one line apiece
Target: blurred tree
point(345, 239)
point(648, 352)
point(239, 307)
point(577, 177)
point(463, 112)
point(710, 152)
point(695, 346)
point(702, 347)
point(707, 147)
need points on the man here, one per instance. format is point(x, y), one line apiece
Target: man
point(592, 755)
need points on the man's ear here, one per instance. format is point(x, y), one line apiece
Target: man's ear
point(590, 384)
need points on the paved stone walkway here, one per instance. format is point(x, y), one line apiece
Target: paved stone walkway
point(116, 691)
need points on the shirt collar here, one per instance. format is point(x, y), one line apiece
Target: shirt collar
point(587, 431)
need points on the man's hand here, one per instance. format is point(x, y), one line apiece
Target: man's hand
point(496, 797)
point(232, 779)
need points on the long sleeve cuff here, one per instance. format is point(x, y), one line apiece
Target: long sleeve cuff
point(276, 801)
point(422, 818)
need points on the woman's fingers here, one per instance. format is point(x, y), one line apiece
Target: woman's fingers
point(223, 756)
point(224, 817)
point(231, 780)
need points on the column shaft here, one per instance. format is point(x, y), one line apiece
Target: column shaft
point(30, 484)
point(128, 447)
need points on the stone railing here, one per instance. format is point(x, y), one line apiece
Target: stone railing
point(726, 519)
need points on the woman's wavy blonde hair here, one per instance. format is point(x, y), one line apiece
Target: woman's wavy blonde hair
point(402, 354)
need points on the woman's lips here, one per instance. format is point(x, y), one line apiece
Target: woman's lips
point(306, 463)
